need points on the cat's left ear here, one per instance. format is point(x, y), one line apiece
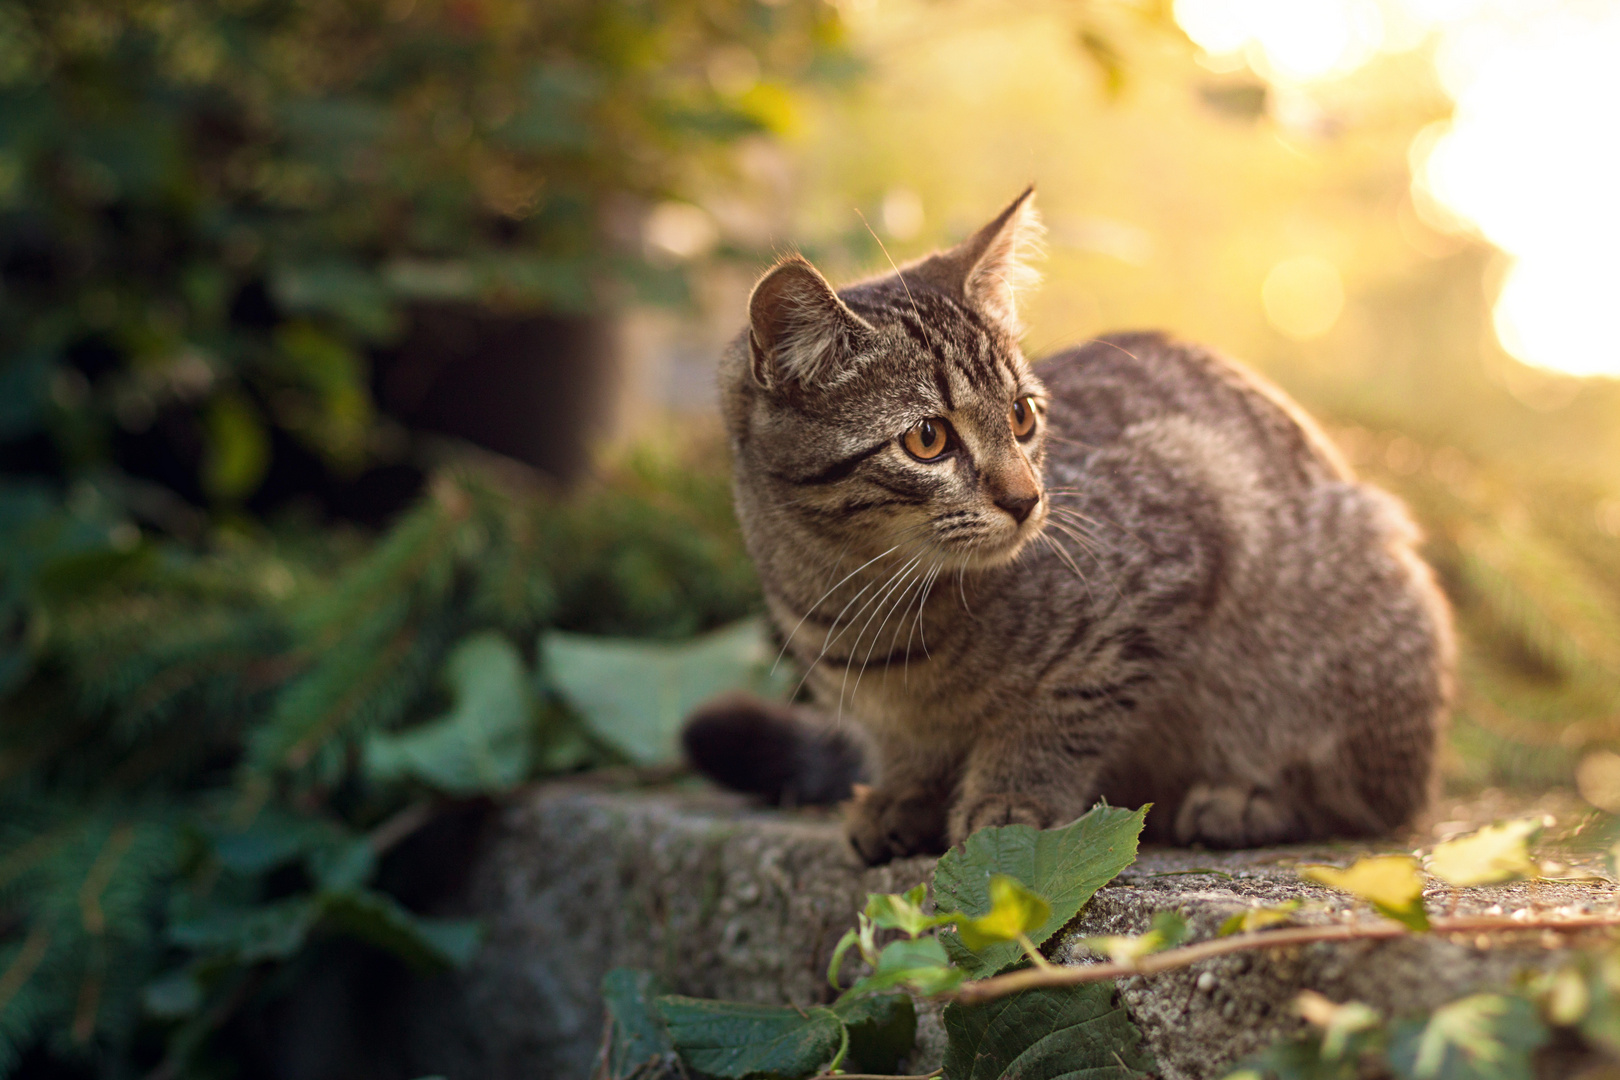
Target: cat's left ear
point(992, 267)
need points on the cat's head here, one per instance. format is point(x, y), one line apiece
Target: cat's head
point(899, 411)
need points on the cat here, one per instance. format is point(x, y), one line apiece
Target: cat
point(1132, 571)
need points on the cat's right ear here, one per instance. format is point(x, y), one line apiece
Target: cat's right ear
point(798, 329)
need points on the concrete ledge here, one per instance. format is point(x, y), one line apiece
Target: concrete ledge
point(730, 902)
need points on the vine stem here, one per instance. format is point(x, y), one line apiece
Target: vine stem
point(1172, 959)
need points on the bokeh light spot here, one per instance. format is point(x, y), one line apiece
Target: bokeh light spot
point(1303, 297)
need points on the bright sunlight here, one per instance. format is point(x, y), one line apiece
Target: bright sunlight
point(1528, 158)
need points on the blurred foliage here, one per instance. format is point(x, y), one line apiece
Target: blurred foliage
point(212, 210)
point(214, 216)
point(206, 758)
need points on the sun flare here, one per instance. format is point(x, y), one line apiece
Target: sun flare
point(1527, 159)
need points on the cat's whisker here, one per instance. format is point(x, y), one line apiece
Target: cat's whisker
point(916, 620)
point(808, 611)
point(867, 659)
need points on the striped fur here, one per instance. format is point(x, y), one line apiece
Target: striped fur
point(1204, 610)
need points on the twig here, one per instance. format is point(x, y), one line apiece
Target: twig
point(875, 1076)
point(391, 832)
point(1172, 959)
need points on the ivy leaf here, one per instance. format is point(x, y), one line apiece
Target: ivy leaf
point(1482, 1037)
point(1067, 866)
point(1340, 1024)
point(634, 695)
point(425, 943)
point(1071, 1031)
point(1496, 853)
point(1168, 930)
point(737, 1041)
point(1391, 883)
point(485, 743)
point(903, 911)
point(882, 1031)
point(920, 963)
point(1014, 912)
point(639, 1039)
point(1258, 918)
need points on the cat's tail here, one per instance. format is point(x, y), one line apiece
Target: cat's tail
point(771, 750)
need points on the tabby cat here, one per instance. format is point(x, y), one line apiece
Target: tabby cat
point(1132, 571)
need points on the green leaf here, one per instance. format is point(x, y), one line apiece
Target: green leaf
point(903, 911)
point(737, 1041)
point(1071, 1032)
point(485, 743)
point(920, 963)
point(1168, 930)
point(423, 942)
point(1014, 912)
point(1391, 883)
point(882, 1031)
point(638, 1039)
point(634, 695)
point(1481, 1037)
point(269, 932)
point(1067, 866)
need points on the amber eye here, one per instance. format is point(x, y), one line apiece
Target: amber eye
point(928, 440)
point(1022, 416)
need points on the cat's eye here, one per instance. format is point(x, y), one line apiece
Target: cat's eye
point(928, 440)
point(1022, 417)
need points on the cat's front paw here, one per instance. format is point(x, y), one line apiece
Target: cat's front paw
point(886, 825)
point(998, 808)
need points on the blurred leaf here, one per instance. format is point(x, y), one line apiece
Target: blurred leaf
point(1493, 854)
point(484, 743)
point(1245, 100)
point(269, 932)
point(238, 453)
point(345, 290)
point(1258, 918)
point(175, 995)
point(1341, 1025)
point(903, 911)
point(430, 944)
point(639, 1038)
point(882, 1031)
point(634, 695)
point(1014, 912)
point(1168, 930)
point(1391, 883)
point(1482, 1037)
point(1106, 55)
point(737, 1041)
point(1066, 866)
point(1044, 1035)
point(25, 383)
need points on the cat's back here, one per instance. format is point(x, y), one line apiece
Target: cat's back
point(1113, 388)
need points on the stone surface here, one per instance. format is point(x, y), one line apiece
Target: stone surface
point(727, 901)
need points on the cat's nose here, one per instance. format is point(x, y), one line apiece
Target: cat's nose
point(1018, 504)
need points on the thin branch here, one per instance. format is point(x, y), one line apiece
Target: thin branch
point(875, 1076)
point(1173, 959)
